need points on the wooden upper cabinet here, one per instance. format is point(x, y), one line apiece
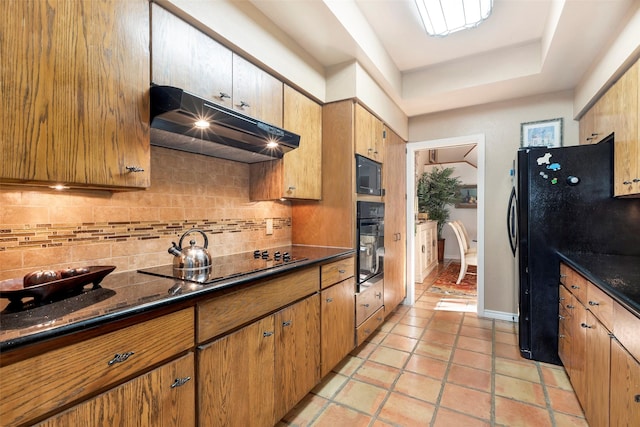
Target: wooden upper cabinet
point(299, 174)
point(76, 108)
point(184, 57)
point(369, 134)
point(627, 133)
point(256, 93)
point(587, 127)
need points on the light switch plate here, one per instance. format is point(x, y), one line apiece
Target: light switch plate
point(269, 226)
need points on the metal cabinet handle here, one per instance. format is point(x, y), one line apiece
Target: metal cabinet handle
point(636, 398)
point(563, 275)
point(561, 317)
point(224, 95)
point(365, 305)
point(367, 331)
point(134, 169)
point(329, 299)
point(286, 323)
point(636, 179)
point(120, 357)
point(180, 382)
point(379, 295)
point(424, 248)
point(342, 271)
point(575, 287)
point(561, 299)
point(570, 307)
point(626, 182)
point(560, 336)
point(594, 303)
point(243, 104)
point(267, 333)
point(584, 325)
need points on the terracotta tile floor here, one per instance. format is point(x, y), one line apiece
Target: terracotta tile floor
point(438, 364)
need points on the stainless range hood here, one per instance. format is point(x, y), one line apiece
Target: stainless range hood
point(186, 122)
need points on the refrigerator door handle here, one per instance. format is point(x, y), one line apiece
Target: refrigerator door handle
point(512, 223)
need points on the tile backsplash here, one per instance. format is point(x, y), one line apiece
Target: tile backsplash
point(48, 229)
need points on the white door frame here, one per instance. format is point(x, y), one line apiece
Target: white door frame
point(412, 148)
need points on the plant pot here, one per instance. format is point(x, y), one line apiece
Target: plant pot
point(440, 250)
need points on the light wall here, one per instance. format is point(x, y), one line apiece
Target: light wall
point(500, 123)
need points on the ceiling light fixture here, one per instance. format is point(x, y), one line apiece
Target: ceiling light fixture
point(443, 17)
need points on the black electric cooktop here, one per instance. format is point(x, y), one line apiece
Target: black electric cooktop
point(230, 266)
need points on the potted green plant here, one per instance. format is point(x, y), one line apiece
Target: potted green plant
point(436, 191)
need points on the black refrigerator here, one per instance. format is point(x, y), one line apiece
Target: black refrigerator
point(564, 202)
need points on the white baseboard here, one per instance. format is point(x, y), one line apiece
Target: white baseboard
point(500, 315)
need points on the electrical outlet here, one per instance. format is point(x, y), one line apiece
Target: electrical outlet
point(269, 226)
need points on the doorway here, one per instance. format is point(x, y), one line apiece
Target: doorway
point(413, 148)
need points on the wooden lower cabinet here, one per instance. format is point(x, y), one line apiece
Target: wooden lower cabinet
point(255, 375)
point(337, 308)
point(162, 397)
point(297, 353)
point(236, 377)
point(598, 357)
point(624, 400)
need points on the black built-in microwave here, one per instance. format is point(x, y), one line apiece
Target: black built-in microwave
point(368, 176)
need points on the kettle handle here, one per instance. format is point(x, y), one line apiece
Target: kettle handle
point(193, 230)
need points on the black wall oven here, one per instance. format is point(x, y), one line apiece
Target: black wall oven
point(370, 239)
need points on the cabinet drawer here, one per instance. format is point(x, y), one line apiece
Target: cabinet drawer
point(600, 304)
point(337, 271)
point(369, 325)
point(574, 282)
point(221, 314)
point(564, 300)
point(368, 301)
point(36, 386)
point(625, 327)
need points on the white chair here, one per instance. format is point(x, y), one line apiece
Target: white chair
point(461, 227)
point(467, 257)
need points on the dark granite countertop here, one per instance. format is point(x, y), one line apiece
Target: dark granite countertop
point(122, 295)
point(617, 275)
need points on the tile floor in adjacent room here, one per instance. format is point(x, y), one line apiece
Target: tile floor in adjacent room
point(438, 364)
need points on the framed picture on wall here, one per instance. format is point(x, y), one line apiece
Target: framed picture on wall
point(544, 133)
point(467, 197)
point(433, 156)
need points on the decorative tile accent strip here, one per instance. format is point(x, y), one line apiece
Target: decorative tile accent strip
point(50, 235)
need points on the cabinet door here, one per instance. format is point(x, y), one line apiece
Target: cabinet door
point(369, 134)
point(578, 357)
point(625, 387)
point(236, 378)
point(624, 115)
point(162, 397)
point(299, 174)
point(256, 93)
point(75, 106)
point(394, 178)
point(184, 57)
point(587, 127)
point(337, 308)
point(598, 364)
point(297, 353)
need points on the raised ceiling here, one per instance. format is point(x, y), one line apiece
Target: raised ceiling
point(526, 47)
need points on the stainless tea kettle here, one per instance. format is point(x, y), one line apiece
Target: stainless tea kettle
point(192, 257)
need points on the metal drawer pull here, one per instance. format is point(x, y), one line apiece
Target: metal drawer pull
point(584, 325)
point(120, 357)
point(267, 333)
point(342, 271)
point(365, 305)
point(244, 104)
point(563, 275)
point(329, 299)
point(224, 95)
point(636, 179)
point(561, 317)
point(561, 336)
point(379, 295)
point(626, 182)
point(594, 303)
point(570, 307)
point(180, 382)
point(575, 287)
point(561, 299)
point(286, 323)
point(636, 398)
point(134, 169)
